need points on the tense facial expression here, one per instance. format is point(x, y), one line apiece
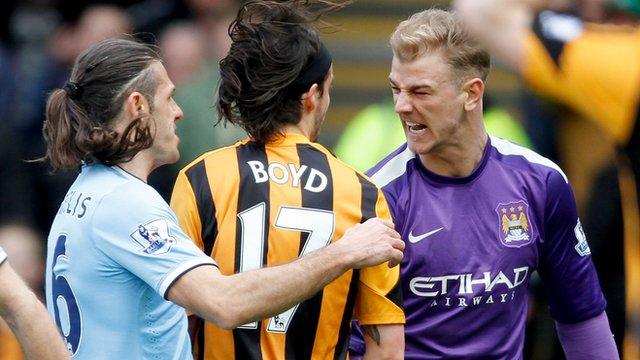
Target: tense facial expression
point(429, 101)
point(165, 114)
point(323, 104)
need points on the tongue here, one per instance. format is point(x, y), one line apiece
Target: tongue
point(418, 127)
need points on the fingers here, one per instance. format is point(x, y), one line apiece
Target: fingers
point(387, 223)
point(397, 252)
point(398, 244)
point(396, 258)
point(374, 242)
point(384, 222)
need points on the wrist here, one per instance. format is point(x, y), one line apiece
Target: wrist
point(341, 256)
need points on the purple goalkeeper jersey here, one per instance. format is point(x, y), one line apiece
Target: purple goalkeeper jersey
point(472, 244)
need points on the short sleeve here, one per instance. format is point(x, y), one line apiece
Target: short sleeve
point(135, 228)
point(379, 299)
point(566, 267)
point(3, 255)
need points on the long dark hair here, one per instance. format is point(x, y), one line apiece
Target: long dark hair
point(79, 118)
point(272, 42)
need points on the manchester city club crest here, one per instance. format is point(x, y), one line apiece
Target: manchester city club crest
point(515, 228)
point(154, 237)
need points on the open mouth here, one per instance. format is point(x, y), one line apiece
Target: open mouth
point(416, 128)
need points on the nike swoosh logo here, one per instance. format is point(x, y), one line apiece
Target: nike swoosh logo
point(414, 239)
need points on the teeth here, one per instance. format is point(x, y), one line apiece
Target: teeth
point(415, 128)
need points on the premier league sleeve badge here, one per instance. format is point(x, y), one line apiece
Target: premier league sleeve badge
point(154, 237)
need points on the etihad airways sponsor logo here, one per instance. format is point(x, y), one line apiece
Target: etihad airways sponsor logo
point(455, 288)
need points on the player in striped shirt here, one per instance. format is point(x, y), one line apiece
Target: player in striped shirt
point(278, 195)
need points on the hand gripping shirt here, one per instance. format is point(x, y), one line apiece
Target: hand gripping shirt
point(250, 206)
point(472, 244)
point(113, 252)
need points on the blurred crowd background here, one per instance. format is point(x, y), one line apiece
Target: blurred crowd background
point(39, 39)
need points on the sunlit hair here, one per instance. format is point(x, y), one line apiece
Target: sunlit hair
point(437, 30)
point(272, 43)
point(80, 118)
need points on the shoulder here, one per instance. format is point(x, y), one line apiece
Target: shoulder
point(130, 200)
point(392, 167)
point(214, 156)
point(525, 161)
point(333, 159)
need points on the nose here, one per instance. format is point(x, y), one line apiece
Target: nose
point(179, 113)
point(402, 103)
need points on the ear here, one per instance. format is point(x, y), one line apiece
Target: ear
point(136, 105)
point(311, 98)
point(475, 90)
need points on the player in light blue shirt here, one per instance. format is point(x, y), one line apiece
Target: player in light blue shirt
point(115, 251)
point(125, 258)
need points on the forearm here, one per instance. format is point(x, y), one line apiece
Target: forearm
point(28, 320)
point(229, 301)
point(501, 26)
point(258, 294)
point(589, 339)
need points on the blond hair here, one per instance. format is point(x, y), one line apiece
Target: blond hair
point(439, 30)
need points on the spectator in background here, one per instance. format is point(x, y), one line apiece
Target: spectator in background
point(213, 18)
point(596, 71)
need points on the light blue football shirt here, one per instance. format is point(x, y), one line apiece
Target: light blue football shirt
point(114, 250)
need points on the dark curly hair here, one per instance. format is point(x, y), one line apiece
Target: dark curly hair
point(79, 118)
point(272, 43)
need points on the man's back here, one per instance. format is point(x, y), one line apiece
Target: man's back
point(250, 206)
point(109, 246)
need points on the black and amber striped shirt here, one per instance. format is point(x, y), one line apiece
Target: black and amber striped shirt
point(595, 69)
point(251, 206)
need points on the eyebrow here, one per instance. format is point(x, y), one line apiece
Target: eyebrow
point(412, 87)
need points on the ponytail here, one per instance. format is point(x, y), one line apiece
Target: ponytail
point(64, 120)
point(80, 118)
point(72, 138)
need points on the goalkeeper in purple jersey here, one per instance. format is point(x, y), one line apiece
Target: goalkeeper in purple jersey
point(478, 214)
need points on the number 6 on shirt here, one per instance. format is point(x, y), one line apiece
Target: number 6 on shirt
point(67, 312)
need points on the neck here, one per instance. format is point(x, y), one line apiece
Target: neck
point(139, 166)
point(304, 127)
point(459, 157)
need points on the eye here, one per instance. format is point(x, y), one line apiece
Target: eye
point(395, 90)
point(421, 92)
